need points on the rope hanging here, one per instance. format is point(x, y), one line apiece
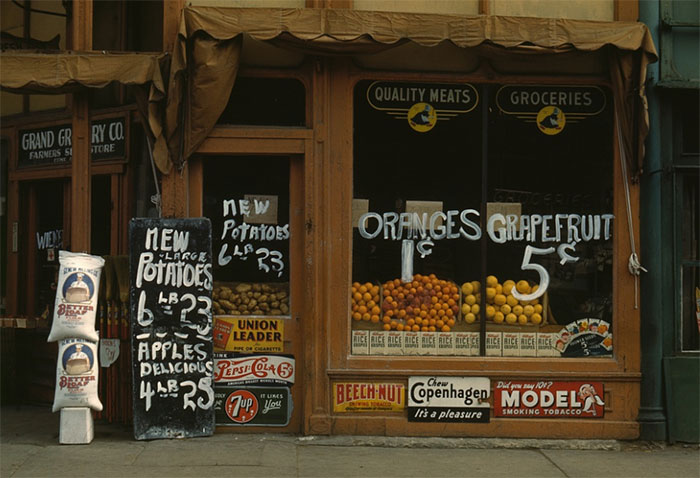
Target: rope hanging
point(633, 265)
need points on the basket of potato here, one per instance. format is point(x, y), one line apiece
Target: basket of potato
point(250, 298)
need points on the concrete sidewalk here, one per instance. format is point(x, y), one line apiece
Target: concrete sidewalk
point(29, 448)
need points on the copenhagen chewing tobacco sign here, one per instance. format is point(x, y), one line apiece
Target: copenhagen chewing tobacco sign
point(545, 399)
point(448, 399)
point(54, 144)
point(422, 105)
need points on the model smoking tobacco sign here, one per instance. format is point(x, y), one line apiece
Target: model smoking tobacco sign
point(545, 399)
point(551, 107)
point(171, 328)
point(422, 104)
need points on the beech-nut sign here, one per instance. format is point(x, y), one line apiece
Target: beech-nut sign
point(551, 107)
point(422, 105)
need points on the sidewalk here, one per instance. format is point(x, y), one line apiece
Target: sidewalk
point(29, 448)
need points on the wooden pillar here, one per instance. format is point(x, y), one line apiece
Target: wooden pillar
point(626, 10)
point(81, 197)
point(174, 185)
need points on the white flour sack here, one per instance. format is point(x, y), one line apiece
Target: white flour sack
point(76, 296)
point(76, 375)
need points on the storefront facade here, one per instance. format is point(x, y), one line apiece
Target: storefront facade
point(436, 212)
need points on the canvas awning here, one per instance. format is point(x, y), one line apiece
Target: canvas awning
point(207, 54)
point(68, 72)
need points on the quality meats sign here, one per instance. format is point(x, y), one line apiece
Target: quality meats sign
point(448, 399)
point(422, 104)
point(547, 399)
point(253, 406)
point(254, 369)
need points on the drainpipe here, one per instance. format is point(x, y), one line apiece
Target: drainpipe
point(652, 418)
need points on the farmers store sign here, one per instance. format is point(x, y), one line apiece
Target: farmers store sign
point(547, 399)
point(54, 144)
point(368, 397)
point(448, 399)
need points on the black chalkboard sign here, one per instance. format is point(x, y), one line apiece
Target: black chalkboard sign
point(171, 327)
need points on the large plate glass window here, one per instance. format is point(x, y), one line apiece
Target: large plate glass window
point(462, 215)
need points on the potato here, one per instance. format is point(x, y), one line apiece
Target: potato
point(243, 287)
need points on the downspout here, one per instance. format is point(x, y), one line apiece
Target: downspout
point(652, 417)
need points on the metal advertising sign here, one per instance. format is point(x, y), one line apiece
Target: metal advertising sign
point(254, 369)
point(253, 406)
point(368, 397)
point(448, 399)
point(545, 399)
point(53, 144)
point(249, 334)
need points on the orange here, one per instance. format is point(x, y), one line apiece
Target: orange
point(415, 328)
point(374, 318)
point(357, 316)
point(523, 287)
point(511, 318)
point(386, 327)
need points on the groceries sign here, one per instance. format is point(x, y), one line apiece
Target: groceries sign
point(551, 107)
point(54, 144)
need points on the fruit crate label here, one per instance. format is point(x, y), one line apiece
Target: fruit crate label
point(253, 406)
point(394, 343)
point(377, 342)
point(445, 343)
point(411, 343)
point(428, 343)
point(545, 345)
point(462, 343)
point(368, 397)
point(474, 343)
point(360, 342)
point(494, 344)
point(511, 344)
point(528, 344)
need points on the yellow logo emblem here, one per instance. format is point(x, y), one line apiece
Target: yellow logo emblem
point(551, 120)
point(422, 117)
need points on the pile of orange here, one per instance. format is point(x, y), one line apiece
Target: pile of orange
point(365, 302)
point(426, 304)
point(501, 304)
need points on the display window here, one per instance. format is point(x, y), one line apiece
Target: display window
point(482, 219)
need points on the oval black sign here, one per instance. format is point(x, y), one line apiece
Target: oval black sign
point(443, 97)
point(523, 99)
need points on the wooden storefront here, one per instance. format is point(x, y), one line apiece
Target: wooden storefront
point(276, 103)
